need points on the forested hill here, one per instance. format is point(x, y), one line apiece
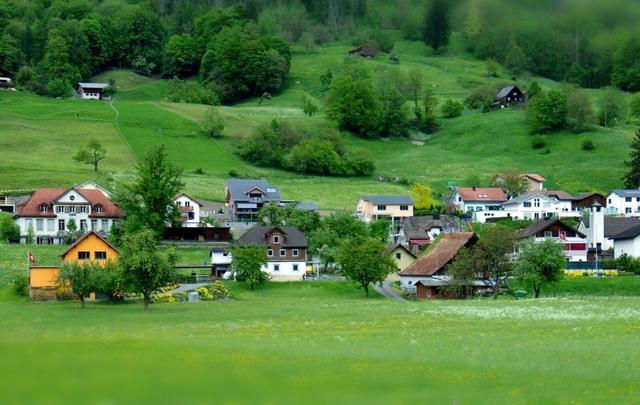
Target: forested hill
point(50, 45)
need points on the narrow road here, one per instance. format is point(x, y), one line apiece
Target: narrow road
point(387, 291)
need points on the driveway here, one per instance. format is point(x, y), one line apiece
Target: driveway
point(386, 290)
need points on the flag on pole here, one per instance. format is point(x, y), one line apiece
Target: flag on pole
point(31, 258)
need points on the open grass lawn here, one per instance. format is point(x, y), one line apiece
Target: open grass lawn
point(319, 343)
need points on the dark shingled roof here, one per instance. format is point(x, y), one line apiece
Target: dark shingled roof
point(630, 233)
point(627, 193)
point(258, 235)
point(537, 227)
point(440, 255)
point(417, 227)
point(388, 199)
point(238, 189)
point(613, 226)
point(504, 92)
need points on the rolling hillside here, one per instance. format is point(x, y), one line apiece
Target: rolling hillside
point(39, 135)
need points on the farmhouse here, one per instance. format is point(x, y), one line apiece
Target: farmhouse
point(401, 255)
point(509, 96)
point(286, 249)
point(93, 91)
point(245, 197)
point(49, 211)
point(427, 278)
point(365, 50)
point(90, 247)
point(470, 199)
point(624, 202)
point(392, 207)
point(627, 243)
point(189, 210)
point(573, 241)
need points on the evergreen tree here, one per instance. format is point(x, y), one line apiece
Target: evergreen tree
point(632, 178)
point(516, 60)
point(437, 27)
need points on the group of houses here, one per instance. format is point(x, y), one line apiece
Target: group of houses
point(608, 227)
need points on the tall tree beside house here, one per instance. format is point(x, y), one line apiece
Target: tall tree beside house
point(247, 265)
point(437, 27)
point(539, 264)
point(92, 154)
point(422, 195)
point(143, 268)
point(632, 178)
point(82, 279)
point(496, 246)
point(148, 202)
point(510, 183)
point(379, 229)
point(463, 271)
point(363, 260)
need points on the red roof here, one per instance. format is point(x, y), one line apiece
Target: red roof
point(482, 194)
point(48, 196)
point(440, 255)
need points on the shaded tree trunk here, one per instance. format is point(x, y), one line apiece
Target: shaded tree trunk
point(366, 289)
point(146, 300)
point(82, 301)
point(536, 292)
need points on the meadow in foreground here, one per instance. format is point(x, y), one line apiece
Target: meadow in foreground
point(321, 342)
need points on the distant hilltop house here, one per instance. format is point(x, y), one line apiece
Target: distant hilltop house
point(48, 212)
point(93, 91)
point(365, 50)
point(529, 181)
point(392, 207)
point(286, 249)
point(5, 82)
point(509, 96)
point(245, 197)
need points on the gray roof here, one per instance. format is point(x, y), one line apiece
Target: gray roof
point(505, 90)
point(238, 189)
point(525, 196)
point(613, 226)
point(417, 227)
point(88, 85)
point(630, 233)
point(307, 206)
point(258, 236)
point(627, 193)
point(388, 199)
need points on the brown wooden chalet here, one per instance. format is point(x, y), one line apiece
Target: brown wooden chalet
point(509, 96)
point(365, 50)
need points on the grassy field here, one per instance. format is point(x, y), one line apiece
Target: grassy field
point(474, 144)
point(318, 343)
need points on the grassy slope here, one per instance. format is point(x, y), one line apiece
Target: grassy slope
point(481, 144)
point(320, 343)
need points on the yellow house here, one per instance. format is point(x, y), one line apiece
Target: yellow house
point(403, 258)
point(393, 207)
point(90, 247)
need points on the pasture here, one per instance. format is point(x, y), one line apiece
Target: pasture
point(317, 343)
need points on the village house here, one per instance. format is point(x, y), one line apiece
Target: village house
point(473, 199)
point(392, 207)
point(578, 202)
point(627, 243)
point(417, 232)
point(509, 96)
point(535, 205)
point(48, 212)
point(402, 256)
point(189, 210)
point(245, 197)
point(365, 50)
point(529, 181)
point(93, 91)
point(601, 229)
point(286, 249)
point(90, 247)
point(426, 277)
point(624, 202)
point(574, 243)
point(221, 259)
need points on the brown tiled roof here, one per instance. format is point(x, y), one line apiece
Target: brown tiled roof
point(535, 176)
point(493, 194)
point(440, 255)
point(48, 196)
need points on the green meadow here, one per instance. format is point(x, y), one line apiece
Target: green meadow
point(320, 342)
point(38, 136)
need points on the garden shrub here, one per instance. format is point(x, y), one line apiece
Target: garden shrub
point(588, 144)
point(452, 109)
point(538, 143)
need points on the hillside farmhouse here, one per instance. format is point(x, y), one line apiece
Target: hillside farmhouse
point(93, 91)
point(189, 210)
point(509, 96)
point(245, 197)
point(365, 50)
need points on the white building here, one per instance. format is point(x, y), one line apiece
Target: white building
point(531, 206)
point(627, 243)
point(624, 202)
point(49, 211)
point(601, 229)
point(92, 91)
point(221, 258)
point(573, 241)
point(474, 199)
point(190, 210)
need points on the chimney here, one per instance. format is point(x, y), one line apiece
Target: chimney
point(473, 188)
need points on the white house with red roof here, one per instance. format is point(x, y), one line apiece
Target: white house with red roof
point(48, 212)
point(472, 199)
point(189, 208)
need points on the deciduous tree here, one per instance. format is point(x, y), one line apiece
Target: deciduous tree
point(92, 154)
point(547, 112)
point(80, 278)
point(247, 265)
point(363, 260)
point(539, 264)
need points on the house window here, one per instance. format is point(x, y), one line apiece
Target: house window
point(609, 200)
point(105, 225)
point(283, 252)
point(187, 204)
point(83, 225)
point(100, 255)
point(94, 224)
point(71, 209)
point(99, 208)
point(61, 225)
point(270, 253)
point(59, 209)
point(627, 210)
point(295, 253)
point(398, 256)
point(536, 202)
point(44, 208)
point(295, 267)
point(82, 209)
point(382, 207)
point(84, 255)
point(404, 208)
point(547, 234)
point(39, 224)
point(526, 204)
point(51, 225)
point(276, 239)
point(627, 199)
point(276, 267)
point(190, 216)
